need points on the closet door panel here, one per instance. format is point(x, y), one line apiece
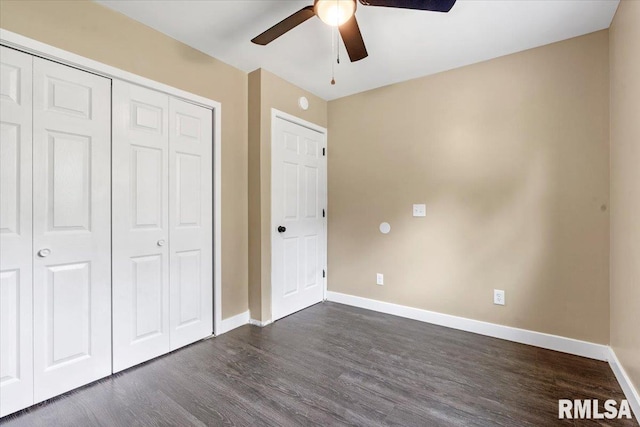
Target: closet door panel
point(71, 228)
point(140, 225)
point(191, 218)
point(16, 324)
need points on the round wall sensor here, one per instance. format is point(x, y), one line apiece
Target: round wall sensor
point(385, 228)
point(303, 102)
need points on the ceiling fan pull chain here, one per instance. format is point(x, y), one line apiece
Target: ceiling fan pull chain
point(334, 39)
point(337, 48)
point(333, 74)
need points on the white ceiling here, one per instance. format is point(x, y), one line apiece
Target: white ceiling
point(402, 44)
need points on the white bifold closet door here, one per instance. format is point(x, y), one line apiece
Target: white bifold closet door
point(71, 228)
point(16, 309)
point(55, 318)
point(190, 222)
point(140, 225)
point(162, 224)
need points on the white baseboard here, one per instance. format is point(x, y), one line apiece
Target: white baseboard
point(255, 322)
point(233, 322)
point(523, 336)
point(238, 320)
point(629, 390)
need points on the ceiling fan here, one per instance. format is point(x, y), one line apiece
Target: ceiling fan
point(341, 14)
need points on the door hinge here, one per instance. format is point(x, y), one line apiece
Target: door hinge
point(323, 214)
point(324, 274)
point(323, 151)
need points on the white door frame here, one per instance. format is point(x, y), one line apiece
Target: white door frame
point(43, 50)
point(277, 114)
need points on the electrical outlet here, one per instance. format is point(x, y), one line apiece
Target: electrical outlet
point(498, 297)
point(380, 279)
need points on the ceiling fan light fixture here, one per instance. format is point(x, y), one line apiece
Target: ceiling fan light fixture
point(335, 12)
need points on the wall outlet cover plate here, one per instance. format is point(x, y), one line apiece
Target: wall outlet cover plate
point(420, 210)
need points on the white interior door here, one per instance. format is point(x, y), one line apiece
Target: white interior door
point(140, 225)
point(298, 202)
point(16, 263)
point(71, 228)
point(191, 222)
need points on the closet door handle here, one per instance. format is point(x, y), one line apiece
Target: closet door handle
point(42, 253)
point(161, 242)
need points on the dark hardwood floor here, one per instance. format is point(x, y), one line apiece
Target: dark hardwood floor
point(337, 365)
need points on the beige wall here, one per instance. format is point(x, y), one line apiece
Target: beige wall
point(625, 187)
point(267, 91)
point(511, 157)
point(93, 31)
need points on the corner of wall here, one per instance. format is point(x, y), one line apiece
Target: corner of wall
point(254, 206)
point(624, 142)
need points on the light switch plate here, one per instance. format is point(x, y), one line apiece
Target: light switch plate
point(419, 210)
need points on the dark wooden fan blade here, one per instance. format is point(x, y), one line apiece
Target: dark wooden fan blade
point(432, 5)
point(285, 25)
point(352, 38)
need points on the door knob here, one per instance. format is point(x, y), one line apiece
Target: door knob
point(44, 252)
point(281, 229)
point(161, 242)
